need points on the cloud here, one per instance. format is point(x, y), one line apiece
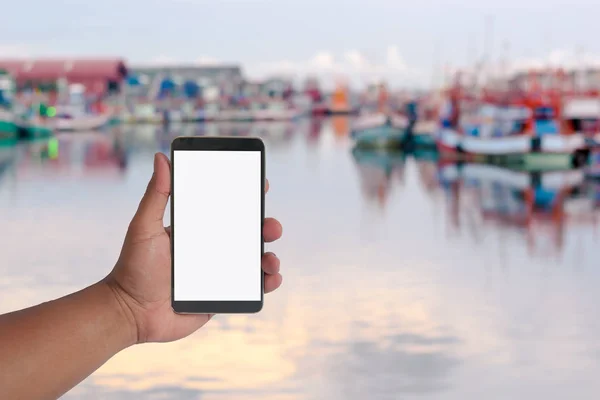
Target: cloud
point(352, 67)
point(207, 60)
point(356, 59)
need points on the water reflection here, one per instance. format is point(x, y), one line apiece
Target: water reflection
point(447, 294)
point(538, 205)
point(84, 155)
point(378, 172)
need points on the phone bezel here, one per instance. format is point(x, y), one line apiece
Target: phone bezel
point(204, 143)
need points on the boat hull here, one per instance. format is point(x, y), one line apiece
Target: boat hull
point(424, 141)
point(520, 151)
point(32, 132)
point(379, 137)
point(86, 123)
point(8, 128)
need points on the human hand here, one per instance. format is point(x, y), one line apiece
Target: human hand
point(141, 279)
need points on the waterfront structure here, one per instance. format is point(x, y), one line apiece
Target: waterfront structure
point(98, 76)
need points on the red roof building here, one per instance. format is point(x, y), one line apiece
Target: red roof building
point(97, 75)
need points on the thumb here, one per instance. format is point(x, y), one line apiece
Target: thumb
point(151, 211)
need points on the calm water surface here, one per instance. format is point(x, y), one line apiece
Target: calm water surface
point(402, 279)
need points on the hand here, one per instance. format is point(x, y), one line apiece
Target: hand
point(141, 279)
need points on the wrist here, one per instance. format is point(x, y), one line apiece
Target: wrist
point(123, 312)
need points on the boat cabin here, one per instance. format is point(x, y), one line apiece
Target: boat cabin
point(7, 90)
point(545, 121)
point(582, 115)
point(490, 120)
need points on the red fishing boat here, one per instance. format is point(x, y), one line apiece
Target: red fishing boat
point(528, 130)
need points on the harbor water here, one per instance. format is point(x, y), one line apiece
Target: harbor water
point(399, 282)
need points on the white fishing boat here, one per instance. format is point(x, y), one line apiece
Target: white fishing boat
point(452, 141)
point(374, 120)
point(72, 113)
point(142, 113)
point(275, 111)
point(81, 122)
point(531, 139)
point(379, 130)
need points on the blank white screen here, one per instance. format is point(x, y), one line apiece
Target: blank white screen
point(217, 225)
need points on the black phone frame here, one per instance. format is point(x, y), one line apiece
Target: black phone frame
point(220, 143)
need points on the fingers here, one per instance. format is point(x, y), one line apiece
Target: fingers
point(267, 186)
point(272, 230)
point(151, 210)
point(270, 264)
point(272, 282)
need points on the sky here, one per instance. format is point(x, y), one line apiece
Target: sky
point(405, 43)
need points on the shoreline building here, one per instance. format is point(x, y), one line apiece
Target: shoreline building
point(96, 76)
point(149, 80)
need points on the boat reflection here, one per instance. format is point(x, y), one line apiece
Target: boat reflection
point(7, 159)
point(85, 154)
point(341, 126)
point(485, 199)
point(539, 205)
point(315, 130)
point(378, 172)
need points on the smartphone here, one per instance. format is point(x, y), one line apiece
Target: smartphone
point(217, 213)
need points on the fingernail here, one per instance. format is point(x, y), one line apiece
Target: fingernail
point(155, 161)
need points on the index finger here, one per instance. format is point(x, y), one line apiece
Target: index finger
point(266, 185)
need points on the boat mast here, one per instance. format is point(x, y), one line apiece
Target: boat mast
point(487, 49)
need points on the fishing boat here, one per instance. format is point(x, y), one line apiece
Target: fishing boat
point(379, 131)
point(32, 121)
point(532, 126)
point(420, 130)
point(81, 123)
point(78, 113)
point(516, 136)
point(142, 113)
point(423, 135)
point(8, 127)
point(340, 102)
point(317, 106)
point(275, 111)
point(71, 119)
point(581, 114)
